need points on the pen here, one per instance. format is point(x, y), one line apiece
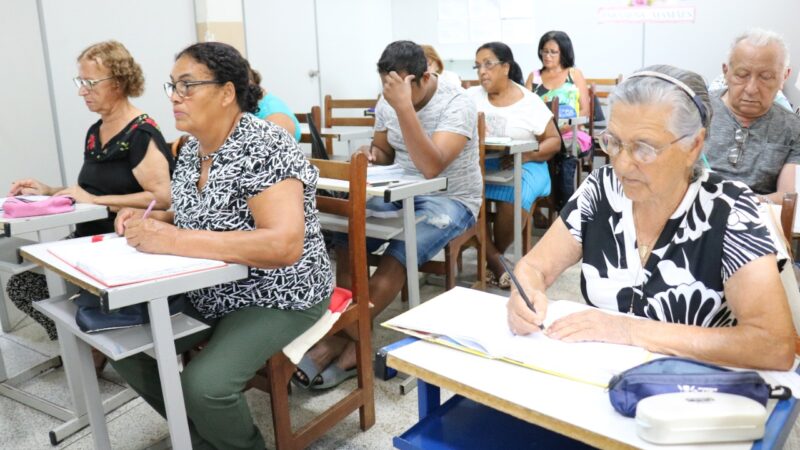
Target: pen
point(149, 208)
point(507, 267)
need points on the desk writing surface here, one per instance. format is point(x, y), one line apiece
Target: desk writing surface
point(578, 410)
point(513, 147)
point(83, 212)
point(132, 294)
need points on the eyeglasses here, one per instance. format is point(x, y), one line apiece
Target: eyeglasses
point(88, 84)
point(487, 65)
point(740, 138)
point(181, 87)
point(641, 152)
point(544, 52)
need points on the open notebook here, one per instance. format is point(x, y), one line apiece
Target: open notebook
point(113, 262)
point(475, 321)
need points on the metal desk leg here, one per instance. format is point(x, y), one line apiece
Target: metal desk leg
point(410, 236)
point(77, 351)
point(428, 398)
point(517, 207)
point(163, 341)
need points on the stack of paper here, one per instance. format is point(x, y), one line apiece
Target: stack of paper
point(113, 262)
point(475, 321)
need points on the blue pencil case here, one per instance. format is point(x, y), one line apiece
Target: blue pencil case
point(667, 375)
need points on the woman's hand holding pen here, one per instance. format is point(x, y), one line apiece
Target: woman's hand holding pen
point(521, 319)
point(125, 214)
point(150, 235)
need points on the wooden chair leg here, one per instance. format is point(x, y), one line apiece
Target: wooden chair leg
point(366, 412)
point(450, 263)
point(404, 293)
point(279, 400)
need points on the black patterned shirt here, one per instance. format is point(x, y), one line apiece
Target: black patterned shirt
point(715, 230)
point(257, 155)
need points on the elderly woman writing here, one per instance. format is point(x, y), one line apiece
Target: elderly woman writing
point(243, 193)
point(680, 251)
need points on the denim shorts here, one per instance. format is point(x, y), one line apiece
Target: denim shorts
point(443, 220)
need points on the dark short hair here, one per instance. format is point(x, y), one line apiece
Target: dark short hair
point(504, 55)
point(567, 55)
point(227, 65)
point(403, 56)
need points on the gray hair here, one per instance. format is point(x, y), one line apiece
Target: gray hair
point(651, 90)
point(758, 37)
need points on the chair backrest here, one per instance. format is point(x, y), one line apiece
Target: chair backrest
point(354, 209)
point(315, 115)
point(175, 146)
point(599, 91)
point(338, 121)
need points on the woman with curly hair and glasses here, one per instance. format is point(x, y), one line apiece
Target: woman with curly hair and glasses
point(126, 162)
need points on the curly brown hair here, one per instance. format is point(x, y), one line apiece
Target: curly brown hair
point(116, 58)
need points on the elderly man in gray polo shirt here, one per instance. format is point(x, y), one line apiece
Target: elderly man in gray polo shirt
point(753, 140)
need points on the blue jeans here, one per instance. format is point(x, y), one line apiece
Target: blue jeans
point(443, 220)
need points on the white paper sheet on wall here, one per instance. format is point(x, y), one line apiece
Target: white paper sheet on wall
point(516, 9)
point(518, 31)
point(485, 30)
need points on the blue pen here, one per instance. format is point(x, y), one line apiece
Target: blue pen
point(705, 161)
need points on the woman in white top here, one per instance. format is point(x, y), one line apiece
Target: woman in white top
point(515, 112)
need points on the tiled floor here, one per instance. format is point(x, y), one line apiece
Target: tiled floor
point(136, 426)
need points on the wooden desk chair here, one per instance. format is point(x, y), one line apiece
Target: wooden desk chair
point(551, 201)
point(599, 91)
point(175, 146)
point(275, 376)
point(475, 236)
point(347, 121)
point(315, 115)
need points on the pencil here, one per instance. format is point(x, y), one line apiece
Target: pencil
point(149, 208)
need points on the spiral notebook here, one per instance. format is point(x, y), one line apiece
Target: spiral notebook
point(112, 262)
point(475, 322)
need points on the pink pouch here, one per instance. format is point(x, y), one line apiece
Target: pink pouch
point(15, 207)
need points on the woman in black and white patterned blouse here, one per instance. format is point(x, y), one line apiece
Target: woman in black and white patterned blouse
point(663, 239)
point(242, 192)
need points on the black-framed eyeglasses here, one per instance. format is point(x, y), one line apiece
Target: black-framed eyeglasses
point(641, 151)
point(181, 87)
point(545, 52)
point(487, 65)
point(740, 138)
point(88, 84)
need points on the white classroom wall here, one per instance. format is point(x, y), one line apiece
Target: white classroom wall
point(26, 123)
point(152, 30)
point(342, 39)
point(603, 50)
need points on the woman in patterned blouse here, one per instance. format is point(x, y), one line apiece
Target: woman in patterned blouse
point(662, 239)
point(242, 192)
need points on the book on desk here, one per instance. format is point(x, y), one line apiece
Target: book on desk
point(112, 262)
point(475, 322)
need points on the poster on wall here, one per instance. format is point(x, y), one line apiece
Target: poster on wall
point(647, 11)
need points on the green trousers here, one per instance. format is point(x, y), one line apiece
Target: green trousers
point(238, 345)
